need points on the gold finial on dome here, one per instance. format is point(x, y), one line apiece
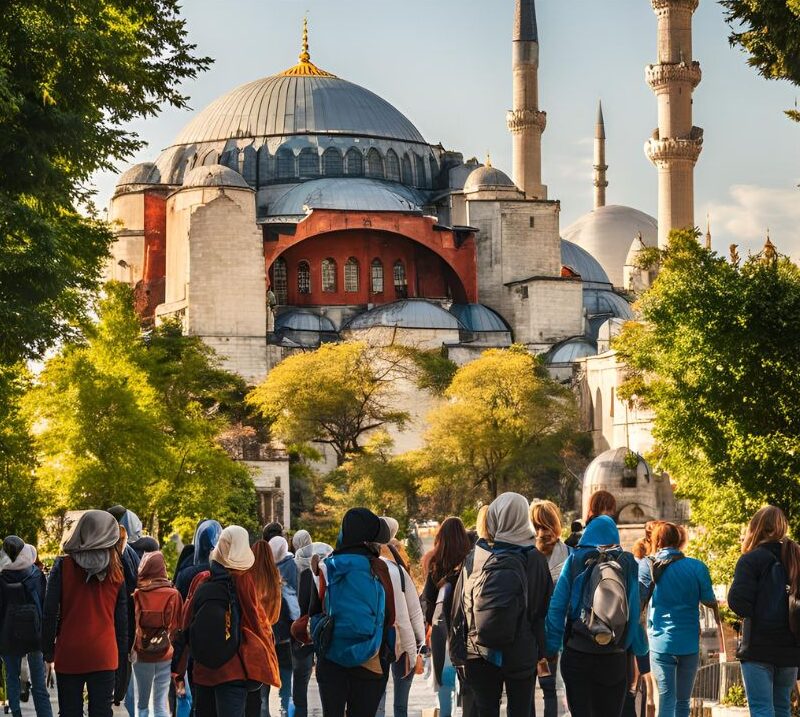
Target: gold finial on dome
point(305, 68)
point(488, 160)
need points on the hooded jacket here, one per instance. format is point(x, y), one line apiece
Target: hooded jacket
point(205, 540)
point(155, 590)
point(565, 604)
point(22, 570)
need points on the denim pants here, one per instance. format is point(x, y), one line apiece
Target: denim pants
point(152, 678)
point(447, 689)
point(402, 687)
point(768, 688)
point(302, 666)
point(675, 675)
point(99, 686)
point(41, 697)
point(284, 652)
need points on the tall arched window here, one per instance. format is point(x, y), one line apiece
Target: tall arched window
point(374, 164)
point(392, 166)
point(377, 276)
point(354, 163)
point(400, 281)
point(351, 275)
point(328, 275)
point(332, 164)
point(308, 163)
point(421, 179)
point(408, 172)
point(434, 170)
point(303, 278)
point(284, 164)
point(280, 281)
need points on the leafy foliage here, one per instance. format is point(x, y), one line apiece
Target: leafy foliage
point(431, 369)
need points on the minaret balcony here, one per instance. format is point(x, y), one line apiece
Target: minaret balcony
point(521, 120)
point(664, 151)
point(661, 76)
point(666, 5)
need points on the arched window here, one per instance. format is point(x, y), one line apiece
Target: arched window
point(392, 166)
point(408, 172)
point(249, 159)
point(351, 275)
point(421, 179)
point(280, 281)
point(377, 276)
point(328, 275)
point(354, 163)
point(308, 163)
point(434, 170)
point(209, 158)
point(230, 158)
point(284, 164)
point(332, 164)
point(374, 164)
point(400, 281)
point(303, 278)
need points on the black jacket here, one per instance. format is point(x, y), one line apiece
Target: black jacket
point(758, 597)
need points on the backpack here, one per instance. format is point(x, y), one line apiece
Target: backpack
point(152, 621)
point(602, 622)
point(350, 631)
point(215, 629)
point(657, 568)
point(21, 630)
point(496, 598)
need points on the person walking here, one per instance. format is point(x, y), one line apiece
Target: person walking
point(675, 586)
point(442, 567)
point(289, 612)
point(546, 519)
point(409, 623)
point(157, 607)
point(596, 621)
point(22, 591)
point(765, 593)
point(85, 626)
point(205, 540)
point(225, 624)
point(601, 502)
point(352, 618)
point(499, 606)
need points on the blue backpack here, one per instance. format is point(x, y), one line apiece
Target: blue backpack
point(350, 631)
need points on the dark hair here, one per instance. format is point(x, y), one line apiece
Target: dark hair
point(576, 526)
point(272, 530)
point(601, 502)
point(451, 546)
point(666, 535)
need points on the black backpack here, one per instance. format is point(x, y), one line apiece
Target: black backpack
point(21, 631)
point(215, 630)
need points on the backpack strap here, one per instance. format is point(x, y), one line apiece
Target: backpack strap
point(657, 569)
point(400, 564)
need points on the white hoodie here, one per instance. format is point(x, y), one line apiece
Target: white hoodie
point(409, 620)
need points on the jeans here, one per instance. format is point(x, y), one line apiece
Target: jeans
point(352, 690)
point(302, 666)
point(596, 684)
point(675, 679)
point(130, 697)
point(225, 700)
point(447, 689)
point(768, 688)
point(548, 685)
point(402, 687)
point(152, 677)
point(41, 697)
point(487, 683)
point(284, 652)
point(99, 685)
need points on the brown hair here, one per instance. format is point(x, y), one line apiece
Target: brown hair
point(546, 520)
point(640, 549)
point(649, 528)
point(769, 525)
point(267, 580)
point(115, 573)
point(480, 523)
point(667, 535)
point(601, 502)
point(451, 546)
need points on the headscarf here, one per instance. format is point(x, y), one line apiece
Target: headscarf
point(146, 544)
point(12, 546)
point(303, 557)
point(24, 558)
point(205, 540)
point(279, 548)
point(153, 572)
point(233, 549)
point(133, 526)
point(394, 526)
point(300, 539)
point(361, 526)
point(508, 520)
point(88, 540)
point(602, 530)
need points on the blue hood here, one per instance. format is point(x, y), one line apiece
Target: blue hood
point(602, 530)
point(205, 540)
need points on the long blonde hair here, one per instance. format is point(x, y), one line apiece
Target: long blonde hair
point(769, 525)
point(546, 519)
point(480, 523)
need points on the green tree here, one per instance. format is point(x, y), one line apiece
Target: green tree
point(334, 395)
point(716, 359)
point(769, 31)
point(73, 76)
point(506, 422)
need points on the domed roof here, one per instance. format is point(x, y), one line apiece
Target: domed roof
point(302, 328)
point(479, 318)
point(608, 469)
point(214, 175)
point(601, 305)
point(143, 173)
point(606, 233)
point(406, 314)
point(581, 262)
point(488, 178)
point(570, 351)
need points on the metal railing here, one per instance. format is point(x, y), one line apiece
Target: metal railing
point(712, 684)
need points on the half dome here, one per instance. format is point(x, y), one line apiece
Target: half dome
point(214, 175)
point(407, 314)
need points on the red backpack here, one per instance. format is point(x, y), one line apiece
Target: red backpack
point(153, 620)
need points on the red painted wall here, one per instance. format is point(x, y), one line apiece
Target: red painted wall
point(150, 292)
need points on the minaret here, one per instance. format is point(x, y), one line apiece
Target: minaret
point(708, 232)
point(600, 166)
point(676, 145)
point(525, 122)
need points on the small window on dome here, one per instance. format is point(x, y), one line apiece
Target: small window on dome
point(375, 164)
point(332, 163)
point(328, 275)
point(377, 276)
point(280, 281)
point(351, 275)
point(308, 163)
point(284, 164)
point(400, 280)
point(392, 166)
point(354, 163)
point(303, 278)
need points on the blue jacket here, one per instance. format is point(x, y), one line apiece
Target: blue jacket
point(565, 603)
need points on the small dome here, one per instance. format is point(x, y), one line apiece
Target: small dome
point(600, 306)
point(144, 173)
point(406, 314)
point(301, 328)
point(479, 318)
point(489, 179)
point(570, 351)
point(637, 245)
point(606, 233)
point(634, 488)
point(214, 175)
point(582, 263)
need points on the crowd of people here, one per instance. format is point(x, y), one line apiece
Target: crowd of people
point(502, 607)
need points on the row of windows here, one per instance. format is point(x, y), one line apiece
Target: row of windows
point(328, 273)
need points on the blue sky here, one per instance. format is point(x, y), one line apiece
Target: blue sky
point(446, 65)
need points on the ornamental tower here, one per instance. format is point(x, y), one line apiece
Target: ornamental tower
point(600, 166)
point(525, 122)
point(676, 144)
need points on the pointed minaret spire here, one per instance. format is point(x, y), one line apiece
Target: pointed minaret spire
point(600, 166)
point(708, 231)
point(525, 121)
point(305, 55)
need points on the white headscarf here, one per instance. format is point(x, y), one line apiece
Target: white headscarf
point(25, 559)
point(394, 526)
point(233, 549)
point(300, 539)
point(508, 520)
point(279, 547)
point(303, 557)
